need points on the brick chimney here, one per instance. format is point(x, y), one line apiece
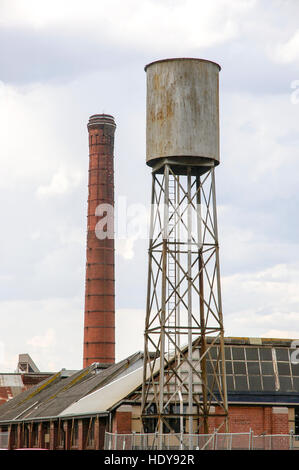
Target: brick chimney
point(99, 317)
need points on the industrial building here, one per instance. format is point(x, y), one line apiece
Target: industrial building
point(190, 379)
point(72, 410)
point(27, 374)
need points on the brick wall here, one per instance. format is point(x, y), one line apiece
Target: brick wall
point(122, 421)
point(259, 419)
point(280, 420)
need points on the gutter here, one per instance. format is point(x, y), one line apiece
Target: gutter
point(54, 418)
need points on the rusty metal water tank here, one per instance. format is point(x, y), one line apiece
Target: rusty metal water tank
point(182, 110)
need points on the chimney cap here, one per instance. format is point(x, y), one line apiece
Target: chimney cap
point(100, 119)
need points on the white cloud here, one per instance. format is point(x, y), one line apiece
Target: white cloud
point(282, 334)
point(129, 333)
point(43, 341)
point(125, 248)
point(51, 331)
point(33, 143)
point(159, 25)
point(61, 182)
point(263, 128)
point(40, 328)
point(263, 303)
point(288, 51)
point(248, 323)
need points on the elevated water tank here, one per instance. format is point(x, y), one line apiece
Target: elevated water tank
point(182, 110)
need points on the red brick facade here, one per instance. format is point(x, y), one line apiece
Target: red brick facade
point(258, 419)
point(14, 384)
point(89, 433)
point(122, 423)
point(99, 317)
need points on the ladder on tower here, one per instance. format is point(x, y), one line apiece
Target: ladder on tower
point(171, 268)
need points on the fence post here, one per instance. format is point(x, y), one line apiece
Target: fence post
point(133, 441)
point(270, 441)
point(156, 440)
point(251, 439)
point(291, 439)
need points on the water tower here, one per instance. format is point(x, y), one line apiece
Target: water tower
point(184, 382)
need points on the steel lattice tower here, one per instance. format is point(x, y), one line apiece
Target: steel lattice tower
point(184, 311)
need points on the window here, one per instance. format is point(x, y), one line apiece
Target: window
point(174, 423)
point(14, 435)
point(3, 437)
point(150, 423)
point(46, 435)
point(252, 354)
point(212, 383)
point(239, 368)
point(214, 352)
point(253, 368)
point(267, 368)
point(210, 366)
point(60, 435)
point(238, 354)
point(285, 384)
point(90, 437)
point(229, 367)
point(265, 354)
point(282, 354)
point(227, 353)
point(230, 383)
point(26, 432)
point(255, 383)
point(74, 433)
point(35, 435)
point(268, 383)
point(241, 383)
point(283, 368)
point(295, 369)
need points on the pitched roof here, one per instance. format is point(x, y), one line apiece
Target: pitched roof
point(50, 397)
point(111, 394)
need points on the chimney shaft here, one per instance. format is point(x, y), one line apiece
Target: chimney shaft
point(99, 317)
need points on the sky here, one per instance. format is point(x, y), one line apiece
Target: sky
point(62, 61)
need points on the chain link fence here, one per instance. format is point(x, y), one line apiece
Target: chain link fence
point(3, 440)
point(215, 441)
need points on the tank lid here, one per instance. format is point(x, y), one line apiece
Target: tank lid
point(182, 58)
point(100, 119)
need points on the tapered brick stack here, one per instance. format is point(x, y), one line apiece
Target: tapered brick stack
point(99, 318)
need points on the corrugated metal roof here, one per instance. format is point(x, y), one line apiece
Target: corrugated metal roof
point(52, 396)
point(104, 398)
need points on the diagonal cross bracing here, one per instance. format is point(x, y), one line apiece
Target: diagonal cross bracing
point(184, 321)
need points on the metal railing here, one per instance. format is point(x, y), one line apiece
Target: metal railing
point(215, 441)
